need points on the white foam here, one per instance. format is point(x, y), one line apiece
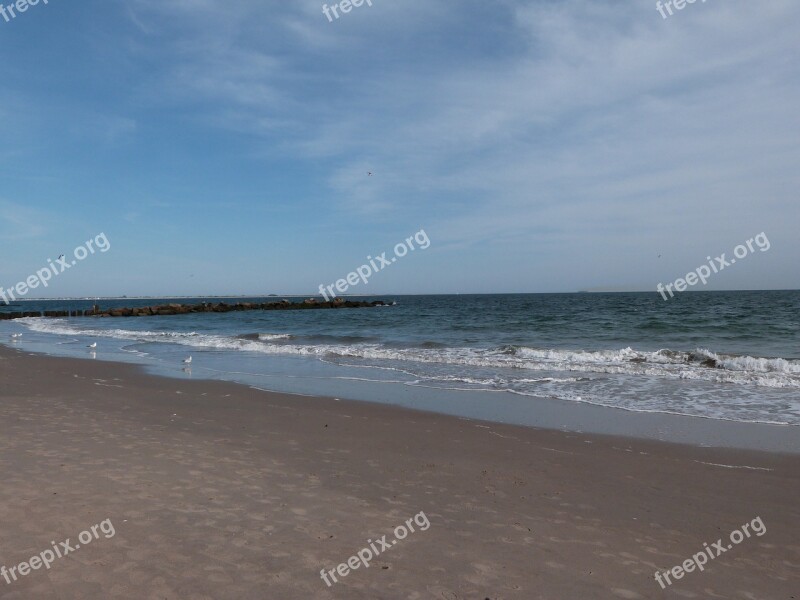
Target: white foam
point(734, 466)
point(738, 370)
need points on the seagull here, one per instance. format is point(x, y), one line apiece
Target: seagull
point(187, 361)
point(14, 336)
point(92, 345)
point(369, 174)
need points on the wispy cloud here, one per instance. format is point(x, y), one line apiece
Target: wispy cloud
point(591, 100)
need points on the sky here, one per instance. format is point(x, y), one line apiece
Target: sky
point(543, 146)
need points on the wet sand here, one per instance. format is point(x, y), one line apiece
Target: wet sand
point(217, 491)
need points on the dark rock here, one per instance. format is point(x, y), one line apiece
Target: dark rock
point(180, 309)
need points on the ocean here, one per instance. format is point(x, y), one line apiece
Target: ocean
point(718, 355)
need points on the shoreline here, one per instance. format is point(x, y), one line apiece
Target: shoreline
point(507, 408)
point(138, 370)
point(217, 490)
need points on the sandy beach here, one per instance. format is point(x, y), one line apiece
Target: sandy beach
point(424, 300)
point(216, 491)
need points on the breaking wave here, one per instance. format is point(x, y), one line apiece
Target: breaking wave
point(700, 364)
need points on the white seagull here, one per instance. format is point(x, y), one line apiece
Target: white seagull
point(14, 336)
point(187, 361)
point(92, 345)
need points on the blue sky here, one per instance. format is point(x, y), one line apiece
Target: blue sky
point(223, 147)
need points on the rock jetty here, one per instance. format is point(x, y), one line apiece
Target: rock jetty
point(184, 309)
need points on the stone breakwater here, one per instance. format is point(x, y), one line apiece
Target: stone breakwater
point(183, 309)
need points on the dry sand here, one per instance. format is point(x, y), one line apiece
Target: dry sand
point(219, 491)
